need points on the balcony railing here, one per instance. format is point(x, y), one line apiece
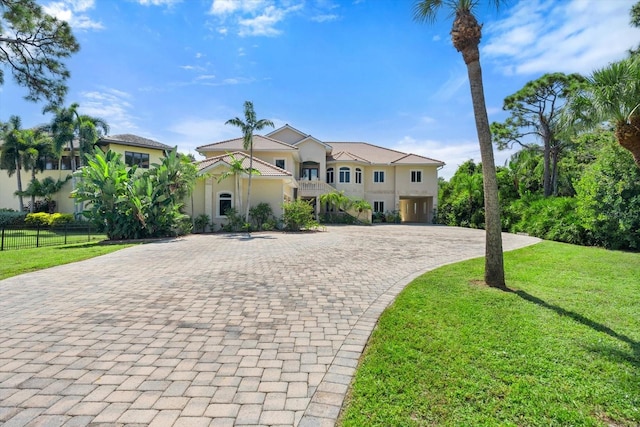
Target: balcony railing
point(313, 188)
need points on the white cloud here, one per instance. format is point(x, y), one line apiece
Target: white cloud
point(206, 77)
point(457, 79)
point(168, 3)
point(194, 132)
point(541, 36)
point(72, 11)
point(252, 17)
point(111, 105)
point(325, 18)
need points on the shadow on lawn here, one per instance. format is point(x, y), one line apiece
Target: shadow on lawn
point(635, 345)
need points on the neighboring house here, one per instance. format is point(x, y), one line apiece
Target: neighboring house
point(295, 165)
point(134, 149)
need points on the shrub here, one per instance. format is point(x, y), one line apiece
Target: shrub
point(235, 221)
point(57, 219)
point(183, 225)
point(298, 215)
point(200, 223)
point(40, 219)
point(260, 214)
point(11, 217)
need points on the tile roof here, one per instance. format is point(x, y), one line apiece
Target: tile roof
point(265, 169)
point(260, 143)
point(380, 155)
point(134, 141)
point(345, 156)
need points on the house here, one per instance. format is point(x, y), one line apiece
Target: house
point(294, 165)
point(134, 149)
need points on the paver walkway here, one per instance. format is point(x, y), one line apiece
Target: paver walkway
point(209, 330)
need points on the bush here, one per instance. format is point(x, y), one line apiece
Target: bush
point(298, 215)
point(235, 221)
point(200, 223)
point(57, 219)
point(552, 218)
point(183, 226)
point(43, 219)
point(11, 217)
point(260, 214)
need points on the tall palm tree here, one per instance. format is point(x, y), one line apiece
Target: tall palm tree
point(248, 126)
point(36, 144)
point(465, 35)
point(612, 94)
point(12, 152)
point(236, 169)
point(68, 125)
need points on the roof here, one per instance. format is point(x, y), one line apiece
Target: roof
point(260, 143)
point(265, 169)
point(134, 141)
point(345, 156)
point(363, 151)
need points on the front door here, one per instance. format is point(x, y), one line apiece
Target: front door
point(309, 174)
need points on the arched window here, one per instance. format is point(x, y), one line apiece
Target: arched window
point(329, 175)
point(345, 174)
point(225, 201)
point(358, 176)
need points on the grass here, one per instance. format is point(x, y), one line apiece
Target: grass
point(27, 238)
point(562, 348)
point(20, 261)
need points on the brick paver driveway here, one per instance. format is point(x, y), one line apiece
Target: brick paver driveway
point(209, 330)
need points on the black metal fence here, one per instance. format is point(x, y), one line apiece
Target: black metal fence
point(25, 237)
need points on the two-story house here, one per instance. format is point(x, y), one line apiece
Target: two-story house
point(134, 149)
point(295, 165)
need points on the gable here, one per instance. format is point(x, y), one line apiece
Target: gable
point(287, 134)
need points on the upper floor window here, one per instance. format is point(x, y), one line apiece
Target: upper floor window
point(330, 177)
point(280, 163)
point(378, 176)
point(345, 174)
point(140, 159)
point(416, 176)
point(358, 176)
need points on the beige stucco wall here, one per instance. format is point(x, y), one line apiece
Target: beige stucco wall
point(351, 189)
point(155, 156)
point(8, 186)
point(428, 186)
point(311, 151)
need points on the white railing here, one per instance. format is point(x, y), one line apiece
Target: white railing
point(313, 188)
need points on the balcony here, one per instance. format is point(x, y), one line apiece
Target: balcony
point(313, 188)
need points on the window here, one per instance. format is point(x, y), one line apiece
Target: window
point(280, 163)
point(358, 176)
point(224, 203)
point(310, 171)
point(416, 176)
point(345, 174)
point(378, 206)
point(330, 176)
point(140, 159)
point(378, 176)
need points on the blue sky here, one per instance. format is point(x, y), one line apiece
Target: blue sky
point(340, 70)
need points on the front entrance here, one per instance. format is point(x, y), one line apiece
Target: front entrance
point(416, 209)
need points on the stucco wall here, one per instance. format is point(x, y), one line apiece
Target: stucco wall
point(311, 151)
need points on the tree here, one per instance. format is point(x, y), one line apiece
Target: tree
point(68, 126)
point(248, 126)
point(465, 35)
point(36, 144)
point(611, 94)
point(12, 154)
point(236, 169)
point(45, 189)
point(32, 46)
point(535, 111)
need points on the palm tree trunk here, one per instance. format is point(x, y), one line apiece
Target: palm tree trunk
point(33, 196)
point(19, 183)
point(546, 180)
point(246, 218)
point(494, 263)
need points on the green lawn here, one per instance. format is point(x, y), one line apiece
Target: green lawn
point(20, 261)
point(563, 348)
point(27, 238)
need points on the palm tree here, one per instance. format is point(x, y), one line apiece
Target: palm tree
point(12, 150)
point(237, 169)
point(36, 144)
point(248, 126)
point(465, 34)
point(68, 125)
point(612, 94)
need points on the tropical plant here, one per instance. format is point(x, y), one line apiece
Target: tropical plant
point(12, 152)
point(32, 44)
point(248, 126)
point(611, 94)
point(236, 170)
point(298, 215)
point(201, 222)
point(360, 205)
point(335, 199)
point(36, 145)
point(535, 110)
point(465, 35)
point(261, 214)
